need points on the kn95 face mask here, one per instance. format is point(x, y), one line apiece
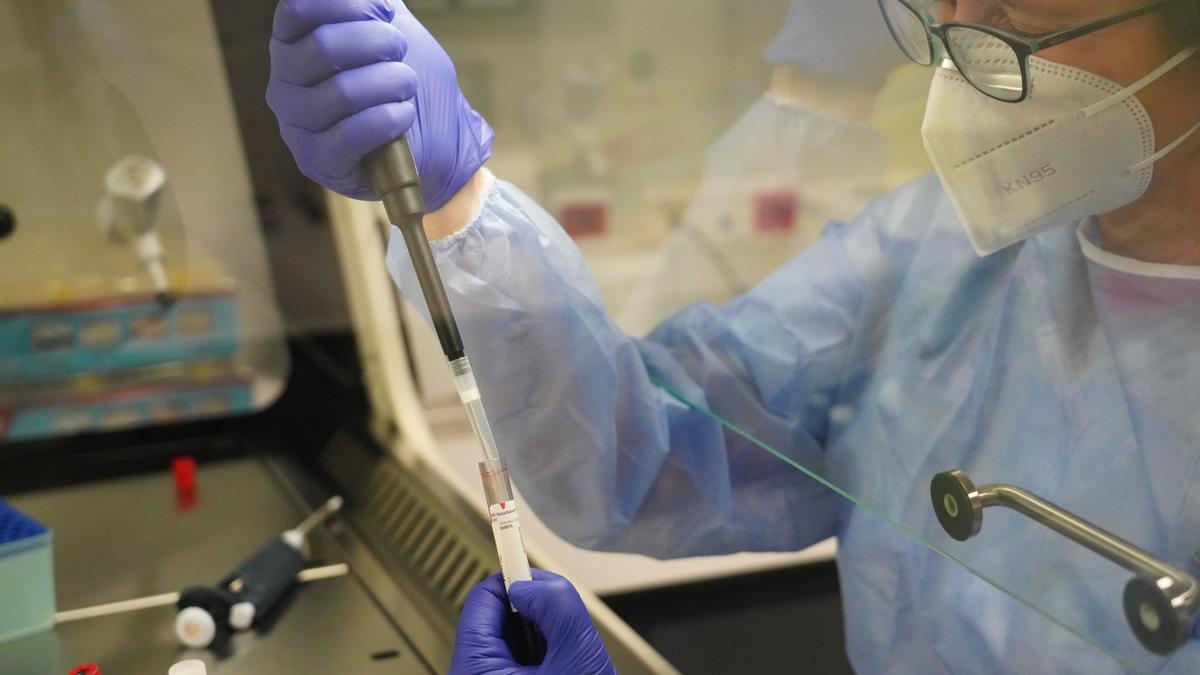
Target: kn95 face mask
point(1080, 145)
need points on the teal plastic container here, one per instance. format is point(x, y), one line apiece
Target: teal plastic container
point(26, 575)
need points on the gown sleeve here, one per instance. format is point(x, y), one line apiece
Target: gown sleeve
point(590, 421)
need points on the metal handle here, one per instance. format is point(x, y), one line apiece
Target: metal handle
point(1159, 602)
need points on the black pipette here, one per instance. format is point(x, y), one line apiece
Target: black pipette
point(250, 592)
point(393, 173)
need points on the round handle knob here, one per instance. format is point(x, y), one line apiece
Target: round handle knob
point(954, 502)
point(1159, 621)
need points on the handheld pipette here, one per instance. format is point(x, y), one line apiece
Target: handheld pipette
point(251, 591)
point(393, 173)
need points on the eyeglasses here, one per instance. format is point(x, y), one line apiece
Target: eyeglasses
point(993, 61)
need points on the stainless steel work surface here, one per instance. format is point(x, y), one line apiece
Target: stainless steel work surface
point(130, 537)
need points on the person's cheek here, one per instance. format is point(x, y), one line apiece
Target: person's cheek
point(1122, 53)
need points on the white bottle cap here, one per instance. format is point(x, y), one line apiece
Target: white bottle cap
point(189, 667)
point(195, 627)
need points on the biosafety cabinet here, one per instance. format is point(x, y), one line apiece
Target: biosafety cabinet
point(199, 347)
point(160, 418)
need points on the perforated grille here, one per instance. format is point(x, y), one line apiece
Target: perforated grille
point(417, 531)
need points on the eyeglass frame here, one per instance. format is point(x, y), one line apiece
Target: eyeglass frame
point(1023, 46)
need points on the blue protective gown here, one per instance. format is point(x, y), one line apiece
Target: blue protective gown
point(883, 354)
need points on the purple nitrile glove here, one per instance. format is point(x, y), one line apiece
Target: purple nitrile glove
point(551, 602)
point(348, 76)
point(846, 40)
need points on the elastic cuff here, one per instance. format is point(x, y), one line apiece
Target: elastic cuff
point(490, 192)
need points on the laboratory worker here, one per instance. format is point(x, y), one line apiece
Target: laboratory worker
point(1028, 314)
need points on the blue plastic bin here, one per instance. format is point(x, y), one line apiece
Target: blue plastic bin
point(26, 575)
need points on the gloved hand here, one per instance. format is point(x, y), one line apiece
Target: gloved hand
point(847, 41)
point(573, 646)
point(347, 76)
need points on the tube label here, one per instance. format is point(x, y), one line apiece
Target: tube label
point(507, 530)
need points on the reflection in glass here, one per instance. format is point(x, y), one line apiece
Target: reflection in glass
point(133, 288)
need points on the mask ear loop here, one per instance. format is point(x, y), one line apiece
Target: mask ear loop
point(1141, 84)
point(1166, 150)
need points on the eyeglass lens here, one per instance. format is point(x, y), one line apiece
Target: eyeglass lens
point(909, 30)
point(988, 63)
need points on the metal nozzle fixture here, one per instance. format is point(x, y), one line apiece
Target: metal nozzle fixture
point(133, 190)
point(128, 214)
